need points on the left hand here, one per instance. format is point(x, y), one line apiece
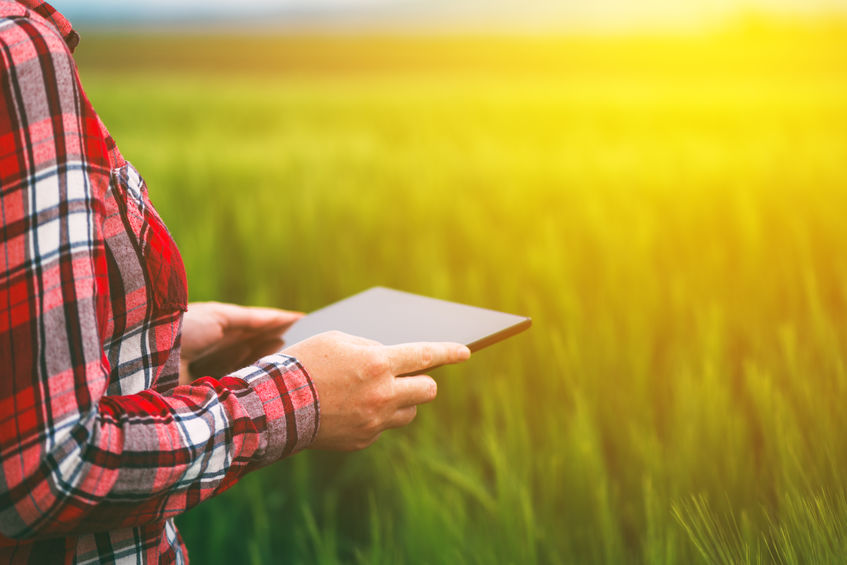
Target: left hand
point(220, 338)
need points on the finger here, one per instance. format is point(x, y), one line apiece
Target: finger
point(275, 318)
point(403, 417)
point(256, 318)
point(411, 391)
point(409, 358)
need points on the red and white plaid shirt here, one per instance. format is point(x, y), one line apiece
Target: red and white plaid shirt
point(99, 446)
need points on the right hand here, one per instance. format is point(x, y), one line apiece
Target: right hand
point(360, 392)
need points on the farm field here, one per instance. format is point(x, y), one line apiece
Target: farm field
point(669, 210)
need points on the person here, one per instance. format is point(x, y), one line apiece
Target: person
point(105, 433)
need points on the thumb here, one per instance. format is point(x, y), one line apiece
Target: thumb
point(257, 318)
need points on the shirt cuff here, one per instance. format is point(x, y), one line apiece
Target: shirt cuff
point(289, 401)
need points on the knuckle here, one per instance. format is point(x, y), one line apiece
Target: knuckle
point(373, 425)
point(426, 357)
point(432, 389)
point(380, 398)
point(376, 364)
point(364, 414)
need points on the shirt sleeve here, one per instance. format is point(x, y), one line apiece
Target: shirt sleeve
point(74, 459)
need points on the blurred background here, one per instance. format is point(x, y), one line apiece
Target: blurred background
point(660, 185)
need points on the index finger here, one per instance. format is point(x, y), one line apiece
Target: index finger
point(410, 358)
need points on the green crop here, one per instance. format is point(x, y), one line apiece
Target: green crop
point(671, 213)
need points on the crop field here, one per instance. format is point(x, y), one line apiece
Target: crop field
point(671, 211)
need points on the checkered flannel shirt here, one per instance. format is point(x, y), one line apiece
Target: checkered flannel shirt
point(99, 446)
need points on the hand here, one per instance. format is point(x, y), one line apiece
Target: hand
point(358, 386)
point(220, 338)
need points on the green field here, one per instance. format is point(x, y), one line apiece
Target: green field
point(671, 213)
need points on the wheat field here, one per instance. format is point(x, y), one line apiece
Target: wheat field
point(669, 210)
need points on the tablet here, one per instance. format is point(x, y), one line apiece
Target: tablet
point(391, 316)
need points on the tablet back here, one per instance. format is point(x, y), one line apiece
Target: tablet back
point(392, 316)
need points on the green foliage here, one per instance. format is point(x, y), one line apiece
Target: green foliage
point(671, 215)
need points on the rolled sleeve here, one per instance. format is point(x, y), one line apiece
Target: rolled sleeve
point(287, 398)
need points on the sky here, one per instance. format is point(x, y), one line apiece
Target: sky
point(583, 14)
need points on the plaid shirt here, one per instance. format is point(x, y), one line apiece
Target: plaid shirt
point(99, 446)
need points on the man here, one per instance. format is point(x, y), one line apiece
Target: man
point(105, 435)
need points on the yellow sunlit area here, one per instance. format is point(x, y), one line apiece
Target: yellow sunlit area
point(663, 192)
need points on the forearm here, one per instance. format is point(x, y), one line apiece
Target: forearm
point(145, 457)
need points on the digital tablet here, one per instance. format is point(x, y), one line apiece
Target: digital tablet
point(392, 316)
